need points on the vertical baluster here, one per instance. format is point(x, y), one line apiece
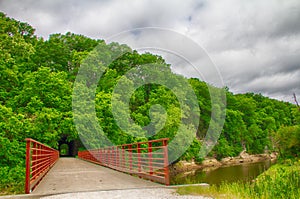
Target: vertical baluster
point(166, 162)
point(130, 156)
point(150, 157)
point(139, 157)
point(28, 166)
point(123, 158)
point(117, 158)
point(34, 162)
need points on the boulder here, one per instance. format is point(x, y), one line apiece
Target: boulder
point(211, 162)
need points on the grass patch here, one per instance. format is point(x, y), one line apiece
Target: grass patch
point(12, 190)
point(223, 191)
point(280, 181)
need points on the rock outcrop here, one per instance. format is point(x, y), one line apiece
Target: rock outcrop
point(207, 163)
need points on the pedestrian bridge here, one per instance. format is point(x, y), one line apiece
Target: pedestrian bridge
point(98, 169)
point(75, 175)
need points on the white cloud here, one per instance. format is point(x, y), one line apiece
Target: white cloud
point(255, 44)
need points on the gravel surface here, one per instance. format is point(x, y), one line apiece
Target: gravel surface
point(157, 193)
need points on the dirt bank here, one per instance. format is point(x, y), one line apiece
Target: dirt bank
point(187, 167)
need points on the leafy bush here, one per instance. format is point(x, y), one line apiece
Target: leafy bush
point(12, 180)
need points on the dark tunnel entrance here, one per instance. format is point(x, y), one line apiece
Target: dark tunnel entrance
point(68, 148)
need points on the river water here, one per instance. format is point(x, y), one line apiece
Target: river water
point(236, 173)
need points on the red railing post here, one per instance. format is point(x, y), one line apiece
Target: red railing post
point(110, 156)
point(123, 157)
point(166, 162)
point(99, 155)
point(102, 156)
point(34, 156)
point(38, 157)
point(130, 157)
point(139, 157)
point(27, 175)
point(150, 157)
point(114, 156)
point(117, 157)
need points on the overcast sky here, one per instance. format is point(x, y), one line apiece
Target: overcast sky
point(255, 44)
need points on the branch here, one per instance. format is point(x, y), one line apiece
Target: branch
point(295, 98)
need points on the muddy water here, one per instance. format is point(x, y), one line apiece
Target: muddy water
point(244, 173)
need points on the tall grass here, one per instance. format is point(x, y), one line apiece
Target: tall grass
point(280, 181)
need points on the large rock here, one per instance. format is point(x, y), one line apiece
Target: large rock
point(273, 156)
point(211, 162)
point(244, 155)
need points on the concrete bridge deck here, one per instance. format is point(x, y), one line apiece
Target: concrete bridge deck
point(74, 175)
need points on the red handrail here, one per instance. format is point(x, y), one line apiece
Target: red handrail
point(39, 159)
point(146, 159)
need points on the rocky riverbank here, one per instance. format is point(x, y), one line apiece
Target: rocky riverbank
point(212, 163)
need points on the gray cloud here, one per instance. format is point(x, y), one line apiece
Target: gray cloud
point(255, 44)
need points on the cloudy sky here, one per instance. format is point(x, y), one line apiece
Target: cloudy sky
point(254, 45)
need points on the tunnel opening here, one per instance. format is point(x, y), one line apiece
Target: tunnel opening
point(64, 150)
point(68, 148)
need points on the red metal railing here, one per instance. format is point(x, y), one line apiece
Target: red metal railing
point(39, 159)
point(146, 159)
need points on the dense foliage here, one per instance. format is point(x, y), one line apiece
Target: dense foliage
point(36, 85)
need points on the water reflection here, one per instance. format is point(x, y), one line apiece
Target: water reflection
point(244, 172)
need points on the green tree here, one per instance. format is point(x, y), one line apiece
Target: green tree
point(287, 141)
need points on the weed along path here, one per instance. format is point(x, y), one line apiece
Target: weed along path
point(74, 175)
